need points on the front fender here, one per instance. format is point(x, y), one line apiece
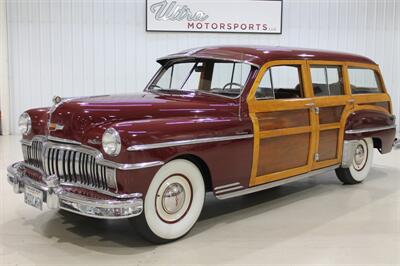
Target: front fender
point(227, 160)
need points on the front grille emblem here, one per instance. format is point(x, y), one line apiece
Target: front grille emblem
point(55, 126)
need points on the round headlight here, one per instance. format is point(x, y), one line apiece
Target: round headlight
point(25, 123)
point(111, 142)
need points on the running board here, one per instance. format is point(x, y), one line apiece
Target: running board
point(249, 190)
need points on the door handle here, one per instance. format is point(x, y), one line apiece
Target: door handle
point(351, 100)
point(312, 107)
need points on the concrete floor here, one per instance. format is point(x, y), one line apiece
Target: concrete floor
point(314, 221)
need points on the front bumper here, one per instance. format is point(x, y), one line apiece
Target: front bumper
point(57, 197)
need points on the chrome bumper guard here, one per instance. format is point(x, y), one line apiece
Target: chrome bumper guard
point(349, 148)
point(56, 197)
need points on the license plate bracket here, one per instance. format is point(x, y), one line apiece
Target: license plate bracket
point(33, 197)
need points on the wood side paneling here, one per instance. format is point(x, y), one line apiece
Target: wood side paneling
point(283, 119)
point(282, 153)
point(329, 115)
point(328, 141)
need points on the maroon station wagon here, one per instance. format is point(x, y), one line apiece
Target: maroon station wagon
point(227, 120)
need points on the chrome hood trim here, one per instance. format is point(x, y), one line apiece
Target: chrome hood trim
point(142, 147)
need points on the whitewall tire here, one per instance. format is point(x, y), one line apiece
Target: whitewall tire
point(173, 202)
point(361, 164)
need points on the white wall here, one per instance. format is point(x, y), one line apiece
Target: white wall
point(73, 48)
point(4, 89)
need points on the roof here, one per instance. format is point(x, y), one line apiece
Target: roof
point(259, 55)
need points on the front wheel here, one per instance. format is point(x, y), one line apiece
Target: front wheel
point(361, 165)
point(173, 202)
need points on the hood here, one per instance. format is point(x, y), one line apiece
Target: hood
point(76, 116)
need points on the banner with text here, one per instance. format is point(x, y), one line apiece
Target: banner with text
point(243, 16)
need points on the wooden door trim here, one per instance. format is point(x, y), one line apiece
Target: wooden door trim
point(259, 106)
point(344, 100)
point(284, 132)
point(329, 126)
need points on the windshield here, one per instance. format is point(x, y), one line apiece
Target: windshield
point(217, 77)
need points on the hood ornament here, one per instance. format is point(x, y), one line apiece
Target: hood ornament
point(56, 100)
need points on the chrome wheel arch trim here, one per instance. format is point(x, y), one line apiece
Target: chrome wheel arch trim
point(143, 147)
point(66, 144)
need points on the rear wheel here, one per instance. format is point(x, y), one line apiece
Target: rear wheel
point(361, 165)
point(173, 202)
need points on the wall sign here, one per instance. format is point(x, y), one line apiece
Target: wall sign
point(243, 16)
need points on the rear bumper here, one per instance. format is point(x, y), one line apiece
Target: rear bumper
point(57, 197)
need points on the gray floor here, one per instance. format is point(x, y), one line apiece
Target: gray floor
point(315, 221)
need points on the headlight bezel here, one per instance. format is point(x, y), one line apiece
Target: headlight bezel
point(111, 137)
point(25, 123)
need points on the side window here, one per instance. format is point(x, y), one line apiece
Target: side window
point(264, 90)
point(175, 75)
point(229, 76)
point(192, 82)
point(326, 80)
point(364, 80)
point(280, 82)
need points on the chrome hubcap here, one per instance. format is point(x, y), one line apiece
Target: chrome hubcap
point(173, 198)
point(360, 156)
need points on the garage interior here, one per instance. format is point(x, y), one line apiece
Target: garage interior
point(78, 48)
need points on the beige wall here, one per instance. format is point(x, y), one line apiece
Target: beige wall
point(4, 90)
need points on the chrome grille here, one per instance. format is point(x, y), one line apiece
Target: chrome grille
point(33, 154)
point(73, 166)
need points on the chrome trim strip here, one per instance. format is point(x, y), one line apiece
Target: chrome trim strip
point(227, 185)
point(105, 192)
point(143, 147)
point(222, 191)
point(275, 183)
point(65, 145)
point(127, 166)
point(56, 139)
point(370, 129)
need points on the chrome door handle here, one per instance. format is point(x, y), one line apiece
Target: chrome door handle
point(351, 100)
point(310, 104)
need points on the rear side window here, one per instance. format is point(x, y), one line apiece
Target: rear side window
point(364, 80)
point(326, 80)
point(280, 82)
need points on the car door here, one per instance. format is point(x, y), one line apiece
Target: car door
point(332, 100)
point(284, 121)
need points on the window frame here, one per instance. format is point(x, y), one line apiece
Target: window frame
point(378, 79)
point(325, 67)
point(269, 69)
